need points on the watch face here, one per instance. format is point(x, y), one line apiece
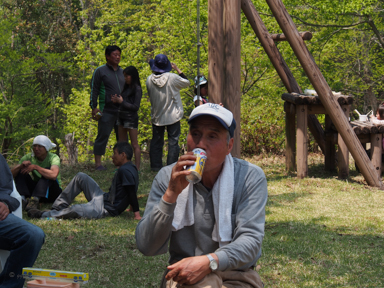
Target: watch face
point(213, 265)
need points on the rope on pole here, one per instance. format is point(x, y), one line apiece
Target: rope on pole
point(198, 44)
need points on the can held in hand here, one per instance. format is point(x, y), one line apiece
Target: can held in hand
point(98, 115)
point(197, 168)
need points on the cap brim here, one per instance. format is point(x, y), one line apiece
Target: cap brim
point(230, 129)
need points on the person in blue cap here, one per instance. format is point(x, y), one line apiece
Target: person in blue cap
point(166, 109)
point(202, 98)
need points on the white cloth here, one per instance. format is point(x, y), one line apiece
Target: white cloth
point(222, 197)
point(43, 140)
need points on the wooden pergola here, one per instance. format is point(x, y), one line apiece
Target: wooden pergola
point(224, 74)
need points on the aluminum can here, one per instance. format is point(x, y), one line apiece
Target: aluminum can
point(98, 116)
point(197, 168)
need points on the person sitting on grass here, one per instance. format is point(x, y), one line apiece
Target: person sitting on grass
point(21, 238)
point(37, 176)
point(213, 230)
point(121, 193)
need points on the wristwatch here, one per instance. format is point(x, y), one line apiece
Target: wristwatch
point(212, 263)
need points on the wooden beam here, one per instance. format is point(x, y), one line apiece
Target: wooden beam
point(278, 62)
point(232, 63)
point(325, 93)
point(281, 37)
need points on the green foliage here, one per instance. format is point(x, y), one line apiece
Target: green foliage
point(50, 49)
point(264, 132)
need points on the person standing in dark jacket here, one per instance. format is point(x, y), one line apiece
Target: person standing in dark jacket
point(107, 80)
point(129, 104)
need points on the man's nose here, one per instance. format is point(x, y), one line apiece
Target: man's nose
point(201, 143)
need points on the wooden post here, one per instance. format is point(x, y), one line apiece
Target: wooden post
point(290, 136)
point(343, 152)
point(325, 93)
point(215, 50)
point(330, 151)
point(224, 59)
point(376, 151)
point(302, 144)
point(232, 60)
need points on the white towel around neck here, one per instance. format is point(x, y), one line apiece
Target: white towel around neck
point(222, 197)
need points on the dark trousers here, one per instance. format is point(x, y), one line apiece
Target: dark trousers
point(106, 123)
point(47, 190)
point(24, 241)
point(157, 143)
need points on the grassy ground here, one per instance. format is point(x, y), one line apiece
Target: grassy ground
point(320, 232)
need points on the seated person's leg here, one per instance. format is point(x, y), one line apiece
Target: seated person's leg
point(24, 241)
point(41, 191)
point(54, 191)
point(91, 210)
point(80, 183)
point(24, 184)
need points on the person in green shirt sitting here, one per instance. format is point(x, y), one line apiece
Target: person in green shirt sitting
point(37, 176)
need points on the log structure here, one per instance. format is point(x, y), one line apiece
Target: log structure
point(288, 80)
point(224, 84)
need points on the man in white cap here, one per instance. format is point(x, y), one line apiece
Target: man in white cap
point(213, 230)
point(166, 109)
point(44, 166)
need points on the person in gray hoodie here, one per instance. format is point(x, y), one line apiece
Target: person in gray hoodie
point(166, 109)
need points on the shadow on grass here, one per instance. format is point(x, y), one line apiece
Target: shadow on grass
point(314, 171)
point(297, 254)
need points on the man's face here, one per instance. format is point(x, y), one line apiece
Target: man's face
point(204, 90)
point(207, 133)
point(118, 159)
point(40, 151)
point(114, 58)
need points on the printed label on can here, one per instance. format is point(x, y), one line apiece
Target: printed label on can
point(197, 168)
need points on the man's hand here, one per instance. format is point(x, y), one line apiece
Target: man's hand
point(189, 270)
point(94, 112)
point(4, 211)
point(117, 99)
point(177, 183)
point(25, 167)
point(28, 168)
point(174, 67)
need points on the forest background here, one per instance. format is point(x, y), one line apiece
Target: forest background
point(49, 50)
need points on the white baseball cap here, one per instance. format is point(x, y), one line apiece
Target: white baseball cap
point(224, 116)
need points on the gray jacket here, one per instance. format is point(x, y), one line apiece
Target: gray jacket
point(154, 231)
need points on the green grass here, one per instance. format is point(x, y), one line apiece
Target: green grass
point(320, 232)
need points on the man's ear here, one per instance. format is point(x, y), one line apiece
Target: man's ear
point(230, 145)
